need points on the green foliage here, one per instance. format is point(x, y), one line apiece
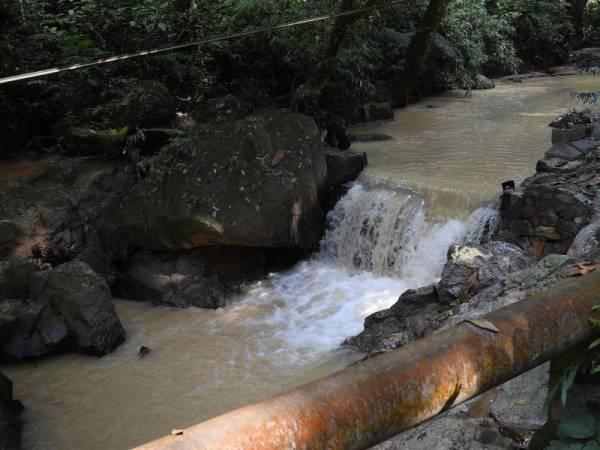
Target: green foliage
point(478, 39)
point(580, 431)
point(588, 97)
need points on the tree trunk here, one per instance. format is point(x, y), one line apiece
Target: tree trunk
point(419, 48)
point(577, 10)
point(312, 87)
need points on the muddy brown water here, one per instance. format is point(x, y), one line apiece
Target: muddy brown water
point(285, 331)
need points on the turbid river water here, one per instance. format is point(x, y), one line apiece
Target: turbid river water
point(391, 232)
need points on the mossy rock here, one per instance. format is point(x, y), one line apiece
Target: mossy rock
point(254, 182)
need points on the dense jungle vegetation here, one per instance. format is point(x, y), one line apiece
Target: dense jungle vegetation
point(341, 63)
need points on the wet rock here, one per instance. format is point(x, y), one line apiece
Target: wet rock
point(343, 166)
point(557, 165)
point(551, 209)
point(564, 151)
point(595, 134)
point(586, 241)
point(144, 351)
point(470, 269)
point(567, 135)
point(10, 423)
point(83, 300)
point(30, 329)
point(15, 277)
point(371, 137)
point(378, 111)
point(449, 433)
point(409, 319)
point(483, 82)
point(256, 182)
point(201, 277)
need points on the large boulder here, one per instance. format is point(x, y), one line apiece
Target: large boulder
point(472, 268)
point(82, 298)
point(66, 210)
point(10, 424)
point(255, 182)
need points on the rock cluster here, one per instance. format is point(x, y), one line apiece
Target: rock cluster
point(560, 199)
point(223, 203)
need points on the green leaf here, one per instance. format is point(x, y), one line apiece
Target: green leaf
point(581, 426)
point(162, 27)
point(132, 23)
point(592, 445)
point(568, 380)
point(594, 344)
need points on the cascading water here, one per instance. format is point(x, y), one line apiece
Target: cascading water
point(378, 244)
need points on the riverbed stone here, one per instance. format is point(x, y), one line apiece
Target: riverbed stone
point(10, 423)
point(255, 182)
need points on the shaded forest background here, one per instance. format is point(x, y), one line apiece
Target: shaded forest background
point(351, 61)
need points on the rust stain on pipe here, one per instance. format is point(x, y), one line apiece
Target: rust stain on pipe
point(377, 399)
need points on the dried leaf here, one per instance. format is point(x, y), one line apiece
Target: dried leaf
point(582, 269)
point(484, 325)
point(277, 158)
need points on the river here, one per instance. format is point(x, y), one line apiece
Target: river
point(389, 233)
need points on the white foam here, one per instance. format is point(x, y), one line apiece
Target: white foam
point(378, 245)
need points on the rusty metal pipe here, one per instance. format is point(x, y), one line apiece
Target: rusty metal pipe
point(377, 399)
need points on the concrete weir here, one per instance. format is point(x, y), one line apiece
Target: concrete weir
point(379, 398)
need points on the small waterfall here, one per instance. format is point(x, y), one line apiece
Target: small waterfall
point(374, 229)
point(482, 224)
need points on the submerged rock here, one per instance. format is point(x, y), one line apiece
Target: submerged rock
point(256, 182)
point(10, 424)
